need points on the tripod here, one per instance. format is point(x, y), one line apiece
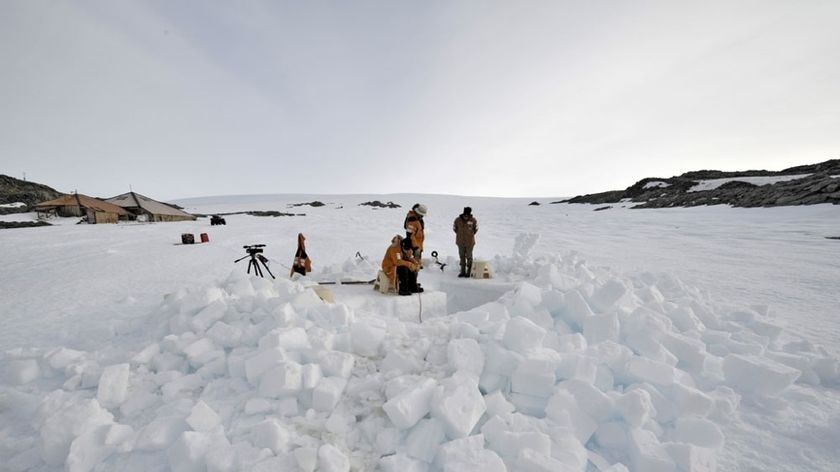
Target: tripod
point(256, 260)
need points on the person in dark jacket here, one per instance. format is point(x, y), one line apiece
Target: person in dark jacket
point(465, 227)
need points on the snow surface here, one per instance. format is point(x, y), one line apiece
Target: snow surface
point(656, 184)
point(712, 184)
point(644, 340)
point(12, 205)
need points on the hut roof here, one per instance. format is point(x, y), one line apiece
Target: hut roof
point(82, 201)
point(135, 200)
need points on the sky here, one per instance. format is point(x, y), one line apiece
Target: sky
point(487, 98)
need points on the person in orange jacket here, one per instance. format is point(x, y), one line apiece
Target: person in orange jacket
point(400, 267)
point(415, 229)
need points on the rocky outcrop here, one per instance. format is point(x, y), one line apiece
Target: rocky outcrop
point(13, 190)
point(820, 184)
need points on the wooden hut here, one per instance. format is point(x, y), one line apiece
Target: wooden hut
point(95, 210)
point(143, 208)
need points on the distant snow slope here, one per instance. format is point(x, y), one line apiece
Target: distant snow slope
point(712, 184)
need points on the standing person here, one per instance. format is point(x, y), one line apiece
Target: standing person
point(302, 265)
point(400, 267)
point(415, 230)
point(465, 227)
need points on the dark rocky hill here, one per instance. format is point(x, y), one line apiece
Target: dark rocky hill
point(820, 185)
point(14, 190)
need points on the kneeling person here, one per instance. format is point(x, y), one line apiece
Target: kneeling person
point(400, 267)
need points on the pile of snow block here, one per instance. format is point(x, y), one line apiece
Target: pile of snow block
point(573, 368)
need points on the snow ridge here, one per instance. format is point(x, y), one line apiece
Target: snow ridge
point(575, 366)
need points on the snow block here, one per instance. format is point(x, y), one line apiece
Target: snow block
point(468, 454)
point(529, 460)
point(61, 358)
point(508, 443)
point(577, 366)
point(577, 309)
point(612, 435)
point(524, 300)
point(698, 431)
point(207, 316)
point(563, 409)
point(113, 385)
point(258, 405)
point(647, 454)
point(284, 379)
point(689, 401)
point(336, 363)
point(366, 338)
point(529, 404)
point(402, 463)
point(606, 296)
point(88, 450)
point(522, 335)
point(684, 319)
point(188, 453)
point(641, 369)
point(566, 449)
point(289, 339)
point(203, 418)
point(270, 434)
point(201, 351)
point(691, 458)
point(601, 328)
point(306, 458)
point(160, 433)
point(224, 334)
point(22, 371)
point(635, 407)
point(423, 440)
point(757, 374)
point(570, 343)
point(499, 360)
point(403, 362)
point(412, 404)
point(307, 300)
point(465, 355)
point(311, 374)
point(589, 398)
point(459, 406)
point(259, 363)
point(534, 377)
point(331, 459)
point(690, 352)
point(328, 393)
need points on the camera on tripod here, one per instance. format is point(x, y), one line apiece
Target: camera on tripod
point(255, 253)
point(254, 249)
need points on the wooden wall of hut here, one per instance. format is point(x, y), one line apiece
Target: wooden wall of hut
point(70, 210)
point(95, 217)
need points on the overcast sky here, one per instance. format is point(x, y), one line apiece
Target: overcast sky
point(182, 98)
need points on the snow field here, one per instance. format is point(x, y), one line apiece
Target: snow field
point(574, 368)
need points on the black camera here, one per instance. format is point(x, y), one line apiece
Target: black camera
point(254, 248)
point(255, 252)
